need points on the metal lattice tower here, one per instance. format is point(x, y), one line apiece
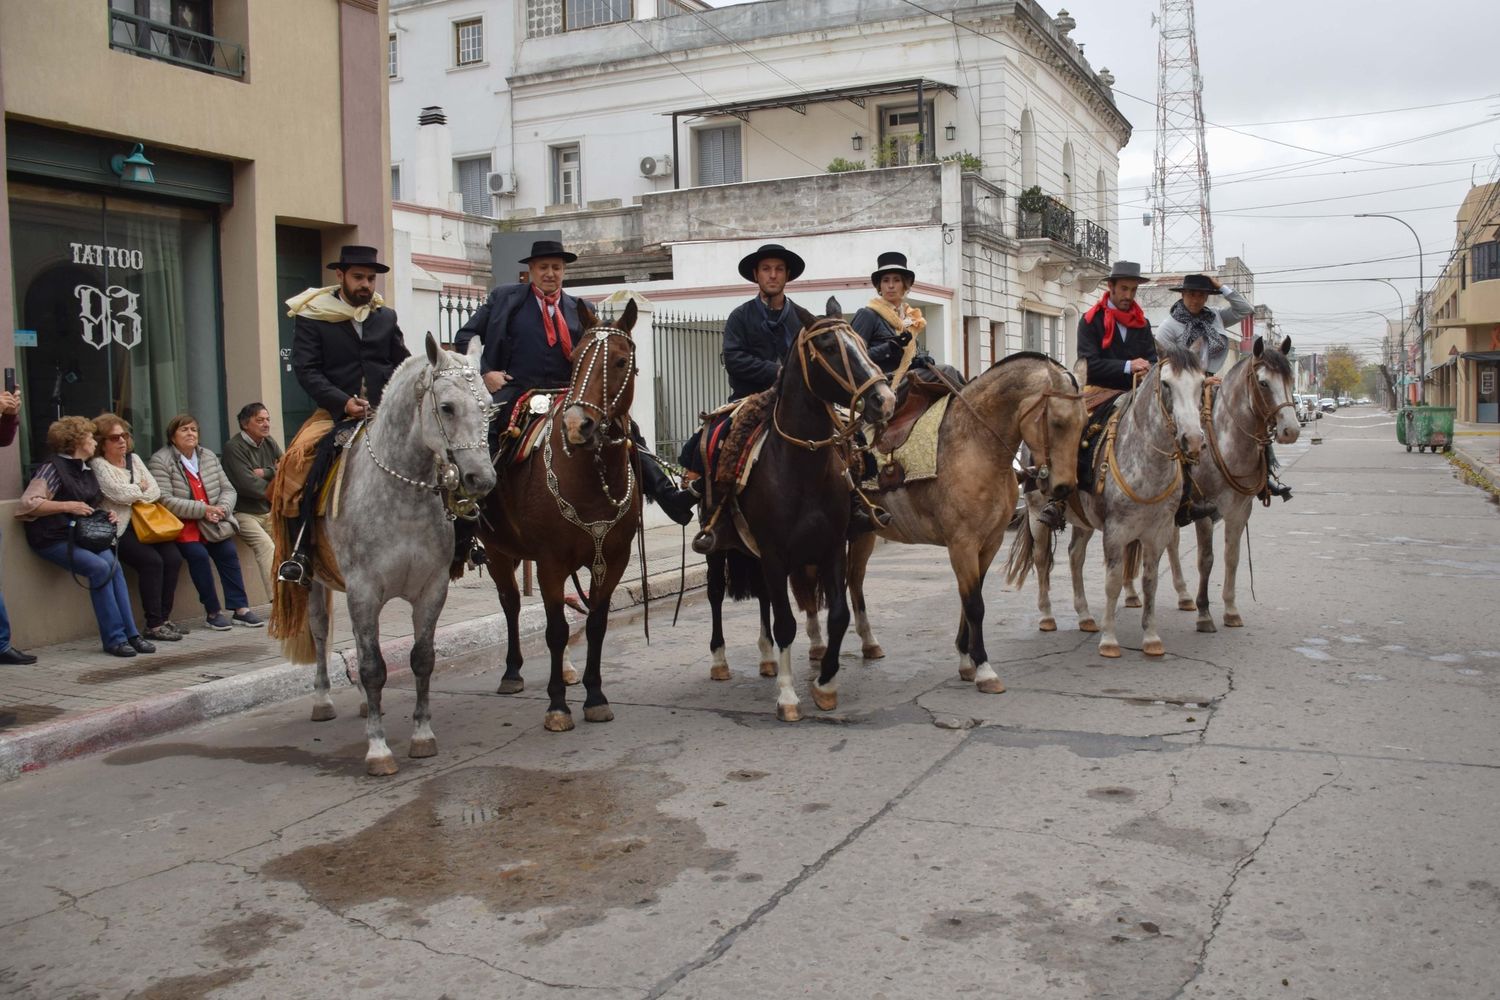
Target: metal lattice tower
point(1182, 226)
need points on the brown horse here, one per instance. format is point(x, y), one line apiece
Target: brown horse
point(796, 503)
point(575, 504)
point(1026, 397)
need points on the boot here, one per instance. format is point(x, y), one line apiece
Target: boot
point(865, 517)
point(1277, 488)
point(656, 484)
point(297, 568)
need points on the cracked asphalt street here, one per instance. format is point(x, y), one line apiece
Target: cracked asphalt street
point(1306, 807)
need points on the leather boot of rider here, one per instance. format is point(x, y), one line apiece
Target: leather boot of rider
point(296, 498)
point(656, 484)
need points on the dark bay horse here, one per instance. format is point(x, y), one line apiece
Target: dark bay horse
point(575, 503)
point(796, 503)
point(1026, 397)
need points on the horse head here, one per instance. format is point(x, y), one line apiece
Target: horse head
point(1274, 402)
point(603, 385)
point(455, 420)
point(1051, 425)
point(836, 367)
point(1180, 393)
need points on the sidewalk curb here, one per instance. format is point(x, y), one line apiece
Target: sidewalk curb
point(1480, 468)
point(35, 747)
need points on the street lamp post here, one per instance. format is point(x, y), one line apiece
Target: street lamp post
point(1400, 337)
point(1421, 291)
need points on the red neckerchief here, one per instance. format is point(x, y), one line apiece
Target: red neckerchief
point(1132, 318)
point(559, 330)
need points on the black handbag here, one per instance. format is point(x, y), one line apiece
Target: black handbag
point(94, 532)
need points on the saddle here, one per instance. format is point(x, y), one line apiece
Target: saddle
point(915, 458)
point(732, 436)
point(1102, 404)
point(527, 426)
point(914, 396)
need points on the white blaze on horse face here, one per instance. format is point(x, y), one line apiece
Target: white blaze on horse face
point(1185, 390)
point(1278, 388)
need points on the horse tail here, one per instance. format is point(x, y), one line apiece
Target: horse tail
point(807, 590)
point(289, 621)
point(742, 576)
point(1018, 565)
point(1132, 560)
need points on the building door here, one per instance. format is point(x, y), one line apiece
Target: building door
point(1489, 393)
point(298, 267)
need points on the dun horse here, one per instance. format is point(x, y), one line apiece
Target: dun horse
point(575, 504)
point(390, 534)
point(1026, 397)
point(1145, 451)
point(796, 503)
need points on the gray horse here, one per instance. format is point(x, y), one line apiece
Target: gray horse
point(1255, 406)
point(1158, 433)
point(390, 532)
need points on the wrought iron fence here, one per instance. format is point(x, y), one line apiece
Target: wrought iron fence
point(689, 376)
point(1053, 220)
point(170, 43)
point(455, 306)
point(1093, 241)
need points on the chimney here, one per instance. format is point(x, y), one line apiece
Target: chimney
point(434, 166)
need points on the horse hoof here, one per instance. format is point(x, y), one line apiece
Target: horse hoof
point(380, 767)
point(1153, 647)
point(1207, 626)
point(1186, 604)
point(423, 748)
point(1047, 625)
point(816, 653)
point(570, 676)
point(991, 685)
point(826, 701)
point(511, 685)
point(598, 713)
point(1111, 651)
point(788, 713)
point(323, 713)
point(557, 722)
point(1132, 601)
point(768, 668)
point(718, 672)
point(1087, 625)
point(1233, 621)
point(874, 652)
point(364, 710)
point(967, 672)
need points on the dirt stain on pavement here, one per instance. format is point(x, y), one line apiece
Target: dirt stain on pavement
point(963, 925)
point(240, 939)
point(578, 844)
point(348, 760)
point(194, 987)
point(1188, 840)
point(1119, 950)
point(27, 715)
point(154, 663)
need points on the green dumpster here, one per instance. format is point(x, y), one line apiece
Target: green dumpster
point(1424, 427)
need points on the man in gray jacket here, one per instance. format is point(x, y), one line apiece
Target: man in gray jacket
point(250, 459)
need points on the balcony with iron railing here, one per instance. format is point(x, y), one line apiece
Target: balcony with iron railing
point(1043, 217)
point(159, 40)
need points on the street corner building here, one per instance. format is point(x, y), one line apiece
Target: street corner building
point(174, 170)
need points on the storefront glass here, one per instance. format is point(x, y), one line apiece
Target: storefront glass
point(121, 298)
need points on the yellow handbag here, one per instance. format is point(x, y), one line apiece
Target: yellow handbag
point(153, 523)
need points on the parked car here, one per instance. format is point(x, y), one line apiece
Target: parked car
point(1362, 401)
point(1328, 404)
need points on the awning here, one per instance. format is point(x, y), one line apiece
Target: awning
point(798, 102)
point(1481, 356)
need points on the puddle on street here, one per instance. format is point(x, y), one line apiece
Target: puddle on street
point(576, 843)
point(12, 716)
point(346, 760)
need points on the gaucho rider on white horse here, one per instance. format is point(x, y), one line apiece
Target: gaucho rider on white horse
point(529, 331)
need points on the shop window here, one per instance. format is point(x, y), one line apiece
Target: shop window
point(470, 178)
point(718, 155)
point(468, 41)
point(122, 296)
point(589, 13)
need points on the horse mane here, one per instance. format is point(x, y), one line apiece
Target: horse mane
point(1035, 356)
point(1276, 361)
point(1178, 357)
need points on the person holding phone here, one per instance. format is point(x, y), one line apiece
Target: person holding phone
point(10, 409)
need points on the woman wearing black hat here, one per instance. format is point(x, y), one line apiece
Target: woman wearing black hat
point(887, 323)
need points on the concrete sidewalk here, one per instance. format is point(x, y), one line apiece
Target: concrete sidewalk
point(1478, 447)
point(77, 700)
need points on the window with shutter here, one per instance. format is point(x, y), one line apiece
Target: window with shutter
point(718, 156)
point(470, 178)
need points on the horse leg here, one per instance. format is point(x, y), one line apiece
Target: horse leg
point(1041, 565)
point(504, 572)
point(767, 646)
point(717, 584)
point(1185, 600)
point(364, 615)
point(859, 560)
point(317, 623)
point(825, 690)
point(1132, 598)
point(595, 705)
point(967, 568)
point(424, 618)
point(1205, 529)
point(1232, 533)
point(816, 646)
point(551, 579)
point(784, 632)
point(1114, 578)
point(961, 643)
point(1078, 550)
point(1151, 643)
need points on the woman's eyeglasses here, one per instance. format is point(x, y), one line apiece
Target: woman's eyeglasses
point(117, 436)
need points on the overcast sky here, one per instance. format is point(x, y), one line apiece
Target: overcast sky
point(1279, 60)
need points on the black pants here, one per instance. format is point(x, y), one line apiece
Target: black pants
point(156, 568)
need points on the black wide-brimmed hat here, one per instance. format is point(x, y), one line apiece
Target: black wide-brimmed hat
point(1126, 270)
point(548, 248)
point(1195, 283)
point(358, 256)
point(772, 251)
point(892, 262)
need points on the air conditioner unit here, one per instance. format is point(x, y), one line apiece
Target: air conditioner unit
point(501, 183)
point(656, 166)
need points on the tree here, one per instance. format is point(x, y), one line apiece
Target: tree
point(1371, 383)
point(1340, 371)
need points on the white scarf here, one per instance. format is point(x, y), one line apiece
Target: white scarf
point(190, 462)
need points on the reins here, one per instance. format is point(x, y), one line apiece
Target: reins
point(1111, 431)
point(1262, 413)
point(843, 429)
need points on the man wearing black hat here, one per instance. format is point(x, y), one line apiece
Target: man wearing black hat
point(759, 333)
point(345, 345)
point(529, 331)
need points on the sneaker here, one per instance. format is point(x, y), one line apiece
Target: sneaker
point(175, 628)
point(163, 633)
point(248, 618)
point(218, 622)
point(140, 645)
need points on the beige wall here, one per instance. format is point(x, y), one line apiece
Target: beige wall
point(302, 154)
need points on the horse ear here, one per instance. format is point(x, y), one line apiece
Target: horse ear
point(1260, 346)
point(806, 318)
point(833, 311)
point(434, 352)
point(627, 318)
point(476, 351)
point(1286, 346)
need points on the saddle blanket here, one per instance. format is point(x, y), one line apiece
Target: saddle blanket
point(917, 456)
point(1105, 404)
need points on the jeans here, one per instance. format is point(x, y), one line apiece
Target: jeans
point(106, 589)
point(156, 568)
point(201, 558)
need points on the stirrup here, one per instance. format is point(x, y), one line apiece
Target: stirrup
point(704, 541)
point(296, 570)
point(1053, 515)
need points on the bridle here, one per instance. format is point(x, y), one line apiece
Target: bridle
point(1177, 457)
point(1263, 412)
point(804, 349)
point(596, 354)
point(1042, 470)
point(446, 484)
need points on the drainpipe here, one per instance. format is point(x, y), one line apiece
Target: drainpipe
point(675, 158)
